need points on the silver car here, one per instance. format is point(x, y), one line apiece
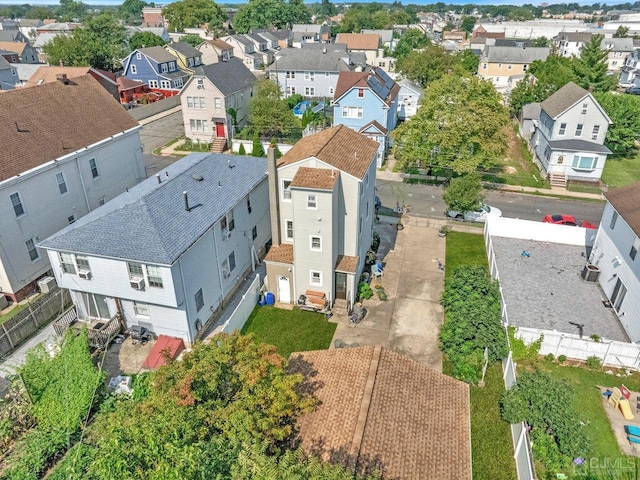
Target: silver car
point(479, 215)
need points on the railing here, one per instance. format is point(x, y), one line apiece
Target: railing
point(100, 334)
point(64, 321)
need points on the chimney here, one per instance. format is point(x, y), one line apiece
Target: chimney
point(158, 177)
point(62, 77)
point(186, 202)
point(274, 204)
point(590, 89)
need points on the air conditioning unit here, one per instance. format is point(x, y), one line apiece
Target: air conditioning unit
point(226, 234)
point(47, 284)
point(137, 283)
point(86, 274)
point(226, 273)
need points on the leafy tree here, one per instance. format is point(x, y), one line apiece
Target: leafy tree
point(410, 41)
point(131, 11)
point(464, 193)
point(194, 13)
point(257, 150)
point(624, 111)
point(269, 115)
point(467, 24)
point(541, 42)
point(145, 39)
point(70, 10)
point(469, 61)
point(294, 100)
point(460, 125)
point(428, 65)
point(192, 39)
point(621, 32)
point(242, 150)
point(257, 14)
point(591, 67)
point(39, 13)
point(326, 8)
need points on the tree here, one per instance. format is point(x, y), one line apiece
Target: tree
point(39, 13)
point(624, 111)
point(269, 115)
point(257, 150)
point(258, 14)
point(460, 125)
point(464, 193)
point(192, 39)
point(541, 42)
point(621, 32)
point(193, 14)
point(430, 64)
point(410, 41)
point(469, 61)
point(145, 39)
point(131, 11)
point(72, 10)
point(591, 67)
point(326, 8)
point(467, 23)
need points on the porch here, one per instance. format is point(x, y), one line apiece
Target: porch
point(100, 332)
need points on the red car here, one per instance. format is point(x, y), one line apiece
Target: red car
point(567, 220)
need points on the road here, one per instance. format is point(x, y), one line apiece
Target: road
point(155, 135)
point(426, 201)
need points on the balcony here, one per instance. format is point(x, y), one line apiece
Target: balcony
point(100, 332)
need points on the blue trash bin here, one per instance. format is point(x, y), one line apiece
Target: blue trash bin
point(270, 298)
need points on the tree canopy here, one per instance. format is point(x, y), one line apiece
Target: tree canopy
point(193, 14)
point(192, 39)
point(258, 14)
point(467, 23)
point(411, 40)
point(624, 111)
point(145, 39)
point(460, 125)
point(269, 114)
point(131, 11)
point(71, 10)
point(591, 67)
point(373, 16)
point(464, 193)
point(429, 64)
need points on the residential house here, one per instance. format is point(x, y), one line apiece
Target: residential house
point(152, 17)
point(369, 44)
point(456, 36)
point(11, 57)
point(28, 27)
point(8, 75)
point(498, 64)
point(41, 41)
point(310, 33)
point(169, 252)
point(284, 37)
point(26, 53)
point(159, 31)
point(322, 197)
point(480, 32)
point(24, 72)
point(528, 118)
point(569, 137)
point(388, 64)
point(630, 71)
point(386, 38)
point(367, 411)
point(273, 41)
point(311, 70)
point(615, 252)
point(214, 51)
point(66, 28)
point(513, 42)
point(8, 24)
point(409, 97)
point(13, 36)
point(261, 46)
point(189, 57)
point(50, 74)
point(156, 67)
point(134, 91)
point(569, 44)
point(619, 49)
point(215, 101)
point(367, 102)
point(54, 172)
point(244, 49)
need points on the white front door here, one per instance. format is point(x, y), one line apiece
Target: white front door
point(284, 292)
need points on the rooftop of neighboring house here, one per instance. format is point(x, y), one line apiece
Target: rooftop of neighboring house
point(25, 70)
point(255, 37)
point(185, 49)
point(313, 57)
point(359, 41)
point(512, 42)
point(125, 83)
point(241, 39)
point(366, 417)
point(4, 65)
point(48, 74)
point(531, 111)
point(626, 201)
point(17, 47)
point(306, 28)
point(617, 44)
point(579, 37)
point(563, 99)
point(268, 35)
point(229, 77)
point(45, 38)
point(28, 142)
point(316, 178)
point(277, 34)
point(410, 85)
point(158, 54)
point(159, 31)
point(9, 35)
point(385, 35)
point(282, 253)
point(164, 229)
point(31, 22)
point(340, 147)
point(219, 44)
point(519, 55)
point(375, 79)
point(58, 27)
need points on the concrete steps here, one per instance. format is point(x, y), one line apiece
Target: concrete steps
point(218, 145)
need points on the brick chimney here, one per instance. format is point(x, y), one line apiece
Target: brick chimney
point(62, 77)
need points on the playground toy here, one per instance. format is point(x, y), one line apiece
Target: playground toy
point(618, 400)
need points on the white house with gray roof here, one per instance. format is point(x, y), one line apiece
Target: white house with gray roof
point(167, 253)
point(502, 65)
point(618, 49)
point(569, 136)
point(8, 75)
point(245, 49)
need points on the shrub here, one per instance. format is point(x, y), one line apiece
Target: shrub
point(521, 351)
point(257, 150)
point(595, 338)
point(241, 150)
point(549, 357)
point(562, 358)
point(594, 362)
point(364, 291)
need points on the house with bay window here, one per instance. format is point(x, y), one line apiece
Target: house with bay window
point(166, 254)
point(568, 139)
point(156, 67)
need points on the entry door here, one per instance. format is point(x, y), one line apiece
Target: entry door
point(284, 292)
point(219, 129)
point(341, 285)
point(617, 297)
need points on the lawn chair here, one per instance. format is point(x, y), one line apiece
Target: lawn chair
point(376, 270)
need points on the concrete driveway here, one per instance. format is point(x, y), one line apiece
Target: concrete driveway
point(409, 321)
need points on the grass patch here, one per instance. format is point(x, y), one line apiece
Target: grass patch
point(290, 330)
point(464, 249)
point(491, 447)
point(619, 172)
point(582, 188)
point(191, 146)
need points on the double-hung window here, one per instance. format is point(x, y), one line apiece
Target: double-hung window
point(595, 132)
point(289, 229)
point(16, 201)
point(316, 243)
point(62, 184)
point(308, 75)
point(33, 251)
point(141, 309)
point(94, 168)
point(286, 190)
point(135, 270)
point(563, 129)
point(579, 130)
point(67, 264)
point(83, 263)
point(154, 275)
point(312, 202)
point(352, 112)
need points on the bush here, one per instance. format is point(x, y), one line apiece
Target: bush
point(364, 291)
point(519, 350)
point(594, 363)
point(562, 358)
point(257, 151)
point(241, 150)
point(549, 357)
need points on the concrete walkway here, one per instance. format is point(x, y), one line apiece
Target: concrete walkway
point(409, 321)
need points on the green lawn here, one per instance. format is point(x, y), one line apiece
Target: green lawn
point(290, 330)
point(12, 313)
point(621, 172)
point(464, 249)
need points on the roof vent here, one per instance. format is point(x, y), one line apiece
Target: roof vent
point(197, 177)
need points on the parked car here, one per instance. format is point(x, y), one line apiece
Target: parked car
point(567, 220)
point(479, 215)
point(633, 90)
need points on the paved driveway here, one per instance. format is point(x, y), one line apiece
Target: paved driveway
point(409, 321)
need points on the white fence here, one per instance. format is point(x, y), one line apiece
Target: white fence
point(244, 308)
point(612, 353)
point(248, 146)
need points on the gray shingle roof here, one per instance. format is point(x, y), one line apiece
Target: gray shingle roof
point(564, 98)
point(531, 111)
point(578, 146)
point(185, 49)
point(313, 58)
point(617, 44)
point(4, 65)
point(241, 39)
point(497, 54)
point(159, 54)
point(229, 77)
point(149, 223)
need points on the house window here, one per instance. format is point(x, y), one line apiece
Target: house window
point(227, 222)
point(141, 309)
point(232, 261)
point(94, 168)
point(165, 84)
point(153, 84)
point(595, 132)
point(101, 201)
point(614, 218)
point(199, 298)
point(164, 68)
point(547, 153)
point(579, 130)
point(316, 278)
point(217, 103)
point(195, 102)
point(198, 125)
point(190, 62)
point(499, 65)
point(312, 201)
point(563, 129)
point(200, 82)
point(16, 201)
point(310, 91)
point(134, 70)
point(82, 263)
point(291, 91)
point(178, 82)
point(634, 248)
point(249, 204)
point(316, 243)
point(361, 93)
point(96, 305)
point(172, 67)
point(327, 74)
point(33, 251)
point(584, 163)
point(138, 55)
point(509, 67)
point(71, 219)
point(135, 269)
point(254, 232)
point(291, 74)
point(286, 190)
point(67, 264)
point(289, 233)
point(308, 76)
point(352, 112)
point(584, 108)
point(154, 275)
point(62, 185)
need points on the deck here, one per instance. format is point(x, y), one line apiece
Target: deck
point(100, 332)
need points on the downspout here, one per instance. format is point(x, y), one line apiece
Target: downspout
point(84, 190)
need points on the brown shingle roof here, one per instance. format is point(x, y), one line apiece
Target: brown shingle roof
point(280, 254)
point(348, 80)
point(318, 178)
point(563, 99)
point(220, 44)
point(17, 47)
point(77, 115)
point(48, 74)
point(339, 146)
point(359, 41)
point(626, 201)
point(346, 263)
point(378, 407)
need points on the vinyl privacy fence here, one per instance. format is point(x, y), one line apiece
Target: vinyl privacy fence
point(247, 303)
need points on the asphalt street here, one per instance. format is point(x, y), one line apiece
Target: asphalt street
point(155, 135)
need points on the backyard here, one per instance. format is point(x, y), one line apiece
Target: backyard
point(619, 172)
point(290, 330)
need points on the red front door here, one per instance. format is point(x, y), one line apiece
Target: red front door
point(219, 129)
